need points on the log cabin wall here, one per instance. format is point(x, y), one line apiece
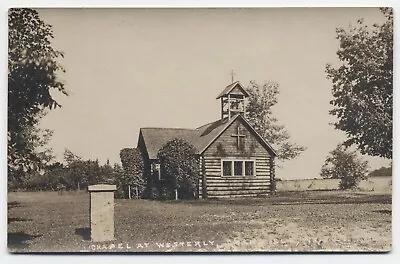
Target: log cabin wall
point(226, 148)
point(201, 183)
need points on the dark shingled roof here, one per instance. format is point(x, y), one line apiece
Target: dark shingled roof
point(230, 87)
point(201, 137)
point(155, 138)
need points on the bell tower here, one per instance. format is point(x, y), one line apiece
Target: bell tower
point(233, 100)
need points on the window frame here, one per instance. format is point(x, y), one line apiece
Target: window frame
point(232, 160)
point(223, 170)
point(157, 167)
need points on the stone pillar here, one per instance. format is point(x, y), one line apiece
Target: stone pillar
point(102, 212)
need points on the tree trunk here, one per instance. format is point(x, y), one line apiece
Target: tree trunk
point(129, 191)
point(137, 192)
point(176, 194)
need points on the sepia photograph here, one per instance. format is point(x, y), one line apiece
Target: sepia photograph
point(200, 130)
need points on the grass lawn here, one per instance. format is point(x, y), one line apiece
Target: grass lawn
point(303, 221)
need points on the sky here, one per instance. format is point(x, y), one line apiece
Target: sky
point(132, 68)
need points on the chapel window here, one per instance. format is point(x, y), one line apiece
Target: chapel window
point(156, 167)
point(238, 167)
point(227, 168)
point(249, 168)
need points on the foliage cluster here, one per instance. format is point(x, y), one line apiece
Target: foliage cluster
point(74, 174)
point(345, 165)
point(362, 86)
point(132, 174)
point(179, 169)
point(382, 171)
point(33, 69)
point(259, 113)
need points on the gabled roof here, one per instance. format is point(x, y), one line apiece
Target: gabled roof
point(201, 138)
point(223, 128)
point(230, 87)
point(155, 138)
point(209, 132)
point(263, 140)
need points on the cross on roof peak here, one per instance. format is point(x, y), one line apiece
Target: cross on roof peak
point(232, 73)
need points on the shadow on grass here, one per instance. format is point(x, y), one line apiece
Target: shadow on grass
point(383, 211)
point(17, 219)
point(14, 204)
point(18, 240)
point(83, 232)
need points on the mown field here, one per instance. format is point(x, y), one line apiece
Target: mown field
point(302, 221)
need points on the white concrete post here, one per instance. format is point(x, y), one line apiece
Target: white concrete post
point(102, 212)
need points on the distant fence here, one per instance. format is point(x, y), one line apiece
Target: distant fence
point(377, 184)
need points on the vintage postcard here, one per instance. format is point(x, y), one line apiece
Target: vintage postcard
point(200, 130)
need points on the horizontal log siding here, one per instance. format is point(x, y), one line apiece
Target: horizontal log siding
point(200, 183)
point(236, 186)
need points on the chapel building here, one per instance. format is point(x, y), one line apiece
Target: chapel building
point(234, 160)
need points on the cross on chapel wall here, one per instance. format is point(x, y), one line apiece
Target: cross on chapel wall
point(239, 137)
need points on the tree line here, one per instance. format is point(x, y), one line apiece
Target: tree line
point(74, 173)
point(178, 162)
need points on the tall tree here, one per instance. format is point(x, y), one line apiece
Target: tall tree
point(363, 86)
point(74, 176)
point(118, 179)
point(20, 166)
point(132, 164)
point(107, 172)
point(81, 173)
point(259, 113)
point(70, 157)
point(32, 74)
